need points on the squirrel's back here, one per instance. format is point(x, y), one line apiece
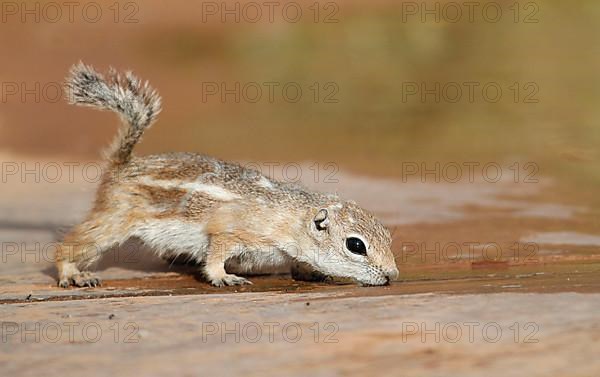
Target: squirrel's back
point(191, 171)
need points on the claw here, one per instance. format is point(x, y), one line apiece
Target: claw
point(230, 280)
point(82, 279)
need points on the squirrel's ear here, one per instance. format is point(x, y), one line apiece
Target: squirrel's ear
point(321, 219)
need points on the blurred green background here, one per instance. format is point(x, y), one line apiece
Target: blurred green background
point(367, 61)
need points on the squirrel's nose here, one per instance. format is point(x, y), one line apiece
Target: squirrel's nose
point(392, 275)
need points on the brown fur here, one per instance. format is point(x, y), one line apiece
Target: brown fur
point(215, 213)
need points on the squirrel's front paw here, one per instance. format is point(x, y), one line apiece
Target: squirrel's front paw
point(229, 279)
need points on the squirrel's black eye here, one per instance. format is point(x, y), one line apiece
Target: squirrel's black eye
point(356, 246)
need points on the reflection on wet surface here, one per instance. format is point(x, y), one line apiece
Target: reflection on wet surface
point(564, 238)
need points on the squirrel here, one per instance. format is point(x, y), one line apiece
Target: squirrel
point(226, 218)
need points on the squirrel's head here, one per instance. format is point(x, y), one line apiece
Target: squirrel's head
point(350, 242)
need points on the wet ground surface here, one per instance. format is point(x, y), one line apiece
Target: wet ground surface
point(564, 277)
point(514, 257)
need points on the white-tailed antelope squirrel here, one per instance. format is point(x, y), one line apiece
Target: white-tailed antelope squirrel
point(227, 218)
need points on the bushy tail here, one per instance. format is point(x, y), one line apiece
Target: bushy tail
point(136, 103)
